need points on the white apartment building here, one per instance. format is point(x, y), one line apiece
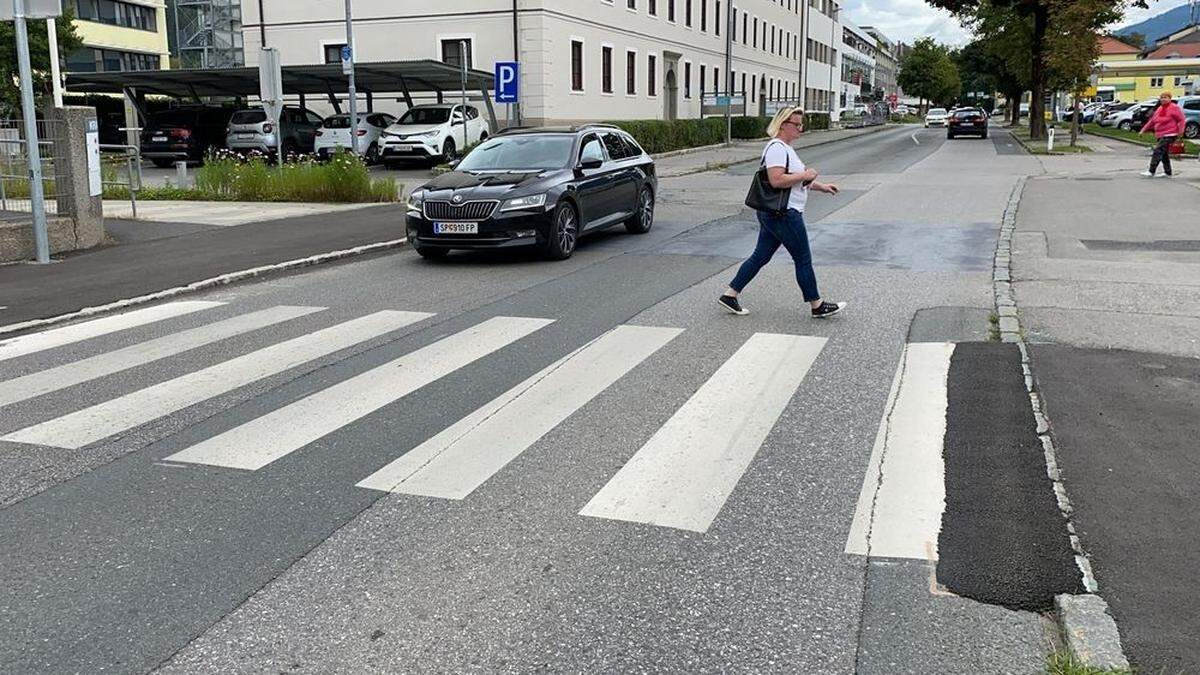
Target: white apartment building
point(859, 51)
point(581, 60)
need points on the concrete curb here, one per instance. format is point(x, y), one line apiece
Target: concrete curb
point(203, 284)
point(1088, 628)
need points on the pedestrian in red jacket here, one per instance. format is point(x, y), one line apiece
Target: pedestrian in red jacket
point(1167, 123)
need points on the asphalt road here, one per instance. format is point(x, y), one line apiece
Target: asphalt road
point(498, 463)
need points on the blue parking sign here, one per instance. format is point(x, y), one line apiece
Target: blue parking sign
point(507, 78)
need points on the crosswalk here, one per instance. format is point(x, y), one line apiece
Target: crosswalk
point(680, 478)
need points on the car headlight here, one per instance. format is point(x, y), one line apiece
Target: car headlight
point(425, 134)
point(530, 202)
point(415, 202)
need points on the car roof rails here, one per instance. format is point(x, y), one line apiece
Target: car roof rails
point(515, 127)
point(593, 125)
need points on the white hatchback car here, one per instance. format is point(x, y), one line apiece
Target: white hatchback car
point(433, 132)
point(334, 133)
point(936, 117)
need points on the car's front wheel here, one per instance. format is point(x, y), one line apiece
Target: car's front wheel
point(449, 150)
point(372, 154)
point(643, 215)
point(1192, 130)
point(1125, 125)
point(560, 241)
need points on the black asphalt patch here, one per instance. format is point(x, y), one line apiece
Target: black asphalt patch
point(1005, 143)
point(1003, 540)
point(1125, 426)
point(1169, 245)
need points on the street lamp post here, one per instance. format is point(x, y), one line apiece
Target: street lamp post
point(350, 82)
point(729, 24)
point(37, 207)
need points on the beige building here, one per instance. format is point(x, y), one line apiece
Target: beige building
point(580, 59)
point(119, 35)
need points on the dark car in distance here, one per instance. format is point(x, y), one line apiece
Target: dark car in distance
point(971, 121)
point(542, 187)
point(184, 134)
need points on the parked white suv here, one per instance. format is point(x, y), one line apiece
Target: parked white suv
point(432, 132)
point(335, 133)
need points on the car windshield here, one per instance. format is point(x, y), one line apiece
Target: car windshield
point(425, 116)
point(937, 111)
point(174, 118)
point(524, 152)
point(337, 122)
point(248, 117)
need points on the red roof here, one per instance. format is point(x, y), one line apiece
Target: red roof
point(1180, 50)
point(1111, 45)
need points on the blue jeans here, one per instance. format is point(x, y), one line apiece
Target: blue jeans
point(788, 230)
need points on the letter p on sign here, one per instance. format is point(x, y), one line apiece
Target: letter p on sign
point(507, 80)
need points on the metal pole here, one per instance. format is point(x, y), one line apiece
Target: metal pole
point(462, 50)
point(515, 110)
point(350, 83)
point(36, 205)
point(832, 27)
point(729, 24)
point(52, 36)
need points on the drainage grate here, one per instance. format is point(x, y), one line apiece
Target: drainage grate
point(1172, 245)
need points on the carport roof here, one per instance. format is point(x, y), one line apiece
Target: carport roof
point(380, 76)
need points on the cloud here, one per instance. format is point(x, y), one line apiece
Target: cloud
point(906, 20)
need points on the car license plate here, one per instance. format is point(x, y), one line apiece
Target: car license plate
point(159, 139)
point(456, 228)
point(245, 135)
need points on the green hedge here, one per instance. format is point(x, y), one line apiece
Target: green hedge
point(666, 135)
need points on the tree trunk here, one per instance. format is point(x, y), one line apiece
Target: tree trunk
point(1076, 114)
point(1037, 103)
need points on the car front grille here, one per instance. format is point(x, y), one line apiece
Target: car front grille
point(476, 210)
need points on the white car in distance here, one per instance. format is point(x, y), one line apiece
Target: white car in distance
point(936, 117)
point(334, 133)
point(433, 131)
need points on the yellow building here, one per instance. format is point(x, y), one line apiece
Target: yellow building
point(1126, 89)
point(1113, 53)
point(119, 35)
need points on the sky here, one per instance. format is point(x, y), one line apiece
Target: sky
point(907, 20)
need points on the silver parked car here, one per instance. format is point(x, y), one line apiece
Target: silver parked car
point(249, 129)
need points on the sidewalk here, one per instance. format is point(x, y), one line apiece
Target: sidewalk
point(684, 162)
point(101, 276)
point(223, 214)
point(1106, 270)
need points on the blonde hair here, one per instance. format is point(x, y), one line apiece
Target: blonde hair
point(782, 116)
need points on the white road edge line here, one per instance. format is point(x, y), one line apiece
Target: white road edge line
point(914, 138)
point(211, 282)
point(903, 496)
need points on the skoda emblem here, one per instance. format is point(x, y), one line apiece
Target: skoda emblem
point(456, 199)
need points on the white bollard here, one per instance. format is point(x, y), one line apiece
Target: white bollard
point(1050, 139)
point(181, 173)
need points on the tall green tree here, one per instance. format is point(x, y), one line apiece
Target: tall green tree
point(1073, 49)
point(39, 57)
point(1039, 13)
point(1004, 36)
point(928, 73)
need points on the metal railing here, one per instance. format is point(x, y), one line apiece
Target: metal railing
point(15, 170)
point(121, 170)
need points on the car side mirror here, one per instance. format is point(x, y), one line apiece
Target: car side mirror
point(591, 163)
point(453, 163)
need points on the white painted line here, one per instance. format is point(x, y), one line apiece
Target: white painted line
point(914, 138)
point(261, 441)
point(458, 460)
point(211, 282)
point(36, 342)
point(70, 374)
point(79, 428)
point(899, 515)
point(682, 476)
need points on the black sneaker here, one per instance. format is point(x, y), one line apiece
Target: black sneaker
point(732, 305)
point(827, 309)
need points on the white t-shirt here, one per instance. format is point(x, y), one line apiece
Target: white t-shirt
point(778, 153)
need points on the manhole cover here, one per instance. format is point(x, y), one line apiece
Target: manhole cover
point(1170, 245)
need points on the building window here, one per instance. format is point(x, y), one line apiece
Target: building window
point(93, 60)
point(333, 52)
point(452, 51)
point(753, 87)
point(716, 79)
point(630, 73)
point(717, 18)
point(670, 10)
point(687, 80)
point(733, 23)
point(651, 74)
point(754, 41)
point(703, 16)
point(1178, 81)
point(631, 4)
point(743, 84)
point(115, 13)
point(687, 13)
point(606, 69)
point(1156, 82)
point(652, 7)
point(702, 79)
point(745, 24)
point(576, 65)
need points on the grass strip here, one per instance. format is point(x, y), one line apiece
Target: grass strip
point(1147, 140)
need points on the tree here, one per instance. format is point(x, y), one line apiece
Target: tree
point(1004, 36)
point(1072, 47)
point(928, 73)
point(1038, 12)
point(39, 57)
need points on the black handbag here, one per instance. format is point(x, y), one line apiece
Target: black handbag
point(766, 197)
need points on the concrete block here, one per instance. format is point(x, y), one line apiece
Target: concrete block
point(1007, 310)
point(16, 238)
point(1090, 632)
point(1009, 324)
